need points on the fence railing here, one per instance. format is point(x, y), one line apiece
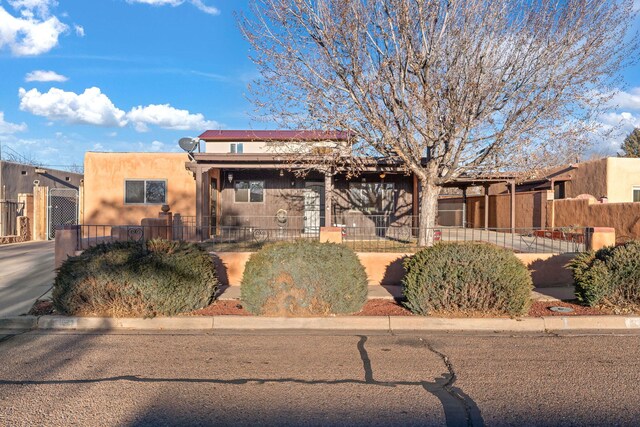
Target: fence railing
point(377, 237)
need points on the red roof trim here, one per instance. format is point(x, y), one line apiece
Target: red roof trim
point(273, 135)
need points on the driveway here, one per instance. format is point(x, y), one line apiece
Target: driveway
point(26, 273)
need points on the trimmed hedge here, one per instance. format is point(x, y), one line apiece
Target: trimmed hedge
point(454, 277)
point(122, 279)
point(610, 276)
point(303, 278)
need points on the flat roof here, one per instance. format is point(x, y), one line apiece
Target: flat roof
point(272, 135)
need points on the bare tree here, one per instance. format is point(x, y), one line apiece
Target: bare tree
point(445, 87)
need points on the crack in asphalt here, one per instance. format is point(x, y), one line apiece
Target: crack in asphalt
point(453, 398)
point(459, 408)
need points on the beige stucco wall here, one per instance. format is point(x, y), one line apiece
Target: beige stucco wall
point(104, 176)
point(622, 175)
point(225, 147)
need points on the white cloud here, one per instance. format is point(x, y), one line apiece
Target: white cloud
point(90, 107)
point(79, 29)
point(197, 3)
point(29, 7)
point(44, 76)
point(29, 35)
point(157, 145)
point(628, 100)
point(95, 108)
point(8, 127)
point(167, 117)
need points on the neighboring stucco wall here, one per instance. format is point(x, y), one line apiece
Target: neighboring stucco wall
point(622, 175)
point(624, 217)
point(588, 178)
point(16, 178)
point(105, 174)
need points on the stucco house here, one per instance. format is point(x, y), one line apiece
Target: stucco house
point(244, 179)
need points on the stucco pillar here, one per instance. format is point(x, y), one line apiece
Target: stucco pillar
point(66, 242)
point(328, 196)
point(600, 237)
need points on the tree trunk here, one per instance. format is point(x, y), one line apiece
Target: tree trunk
point(428, 212)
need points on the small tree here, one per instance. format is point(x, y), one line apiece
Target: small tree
point(447, 88)
point(631, 144)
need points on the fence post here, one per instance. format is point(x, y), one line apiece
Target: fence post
point(600, 237)
point(168, 218)
point(66, 242)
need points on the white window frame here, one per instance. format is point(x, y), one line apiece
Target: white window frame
point(389, 192)
point(249, 190)
point(236, 148)
point(145, 203)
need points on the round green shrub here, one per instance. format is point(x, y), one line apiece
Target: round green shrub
point(466, 277)
point(120, 279)
point(303, 278)
point(610, 276)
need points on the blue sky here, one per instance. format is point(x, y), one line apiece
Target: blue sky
point(136, 75)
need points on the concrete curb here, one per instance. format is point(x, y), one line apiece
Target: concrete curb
point(372, 323)
point(19, 322)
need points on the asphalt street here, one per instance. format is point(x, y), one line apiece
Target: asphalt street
point(162, 379)
point(26, 272)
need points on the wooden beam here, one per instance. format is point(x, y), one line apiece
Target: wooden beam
point(328, 196)
point(486, 207)
point(513, 206)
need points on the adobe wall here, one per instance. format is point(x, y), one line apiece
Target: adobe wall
point(588, 178)
point(624, 217)
point(386, 269)
point(104, 178)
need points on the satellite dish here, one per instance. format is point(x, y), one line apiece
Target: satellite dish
point(188, 144)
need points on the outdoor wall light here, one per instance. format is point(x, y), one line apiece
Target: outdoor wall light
point(382, 175)
point(230, 177)
point(281, 172)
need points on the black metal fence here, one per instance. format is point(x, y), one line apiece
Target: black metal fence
point(369, 235)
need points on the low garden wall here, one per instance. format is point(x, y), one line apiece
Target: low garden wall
point(547, 270)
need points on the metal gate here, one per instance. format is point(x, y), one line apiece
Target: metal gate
point(62, 209)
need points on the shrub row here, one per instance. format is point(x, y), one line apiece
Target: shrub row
point(610, 276)
point(135, 279)
point(472, 277)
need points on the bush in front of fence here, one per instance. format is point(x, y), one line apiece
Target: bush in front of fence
point(466, 278)
point(610, 276)
point(303, 278)
point(122, 279)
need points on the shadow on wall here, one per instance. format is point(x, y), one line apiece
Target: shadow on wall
point(113, 210)
point(550, 272)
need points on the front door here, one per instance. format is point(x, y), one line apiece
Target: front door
point(313, 204)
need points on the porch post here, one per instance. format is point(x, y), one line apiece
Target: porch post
point(513, 206)
point(464, 207)
point(486, 207)
point(328, 196)
point(199, 202)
